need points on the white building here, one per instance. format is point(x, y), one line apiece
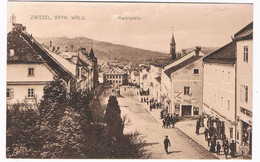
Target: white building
point(219, 87)
point(185, 76)
point(244, 86)
point(30, 67)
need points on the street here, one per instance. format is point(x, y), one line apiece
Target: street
point(139, 119)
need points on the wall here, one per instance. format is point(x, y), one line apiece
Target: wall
point(217, 86)
point(19, 81)
point(186, 77)
point(244, 77)
point(19, 72)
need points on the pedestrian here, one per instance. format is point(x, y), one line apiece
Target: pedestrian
point(151, 108)
point(163, 126)
point(226, 149)
point(232, 148)
point(212, 146)
point(167, 143)
point(197, 128)
point(218, 148)
point(199, 121)
point(147, 102)
point(209, 139)
point(206, 133)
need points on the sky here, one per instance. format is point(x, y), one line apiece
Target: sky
point(209, 25)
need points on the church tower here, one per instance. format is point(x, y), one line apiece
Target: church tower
point(173, 48)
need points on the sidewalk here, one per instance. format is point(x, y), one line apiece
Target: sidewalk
point(188, 127)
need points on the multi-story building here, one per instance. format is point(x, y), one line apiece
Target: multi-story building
point(115, 76)
point(227, 90)
point(219, 87)
point(30, 66)
point(244, 86)
point(185, 75)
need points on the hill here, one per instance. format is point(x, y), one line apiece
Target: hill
point(105, 51)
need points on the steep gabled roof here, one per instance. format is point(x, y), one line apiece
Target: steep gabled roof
point(34, 52)
point(223, 55)
point(181, 65)
point(245, 33)
point(19, 50)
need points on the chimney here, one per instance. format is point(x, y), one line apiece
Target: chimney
point(53, 48)
point(72, 48)
point(50, 44)
point(24, 28)
point(183, 52)
point(58, 50)
point(197, 49)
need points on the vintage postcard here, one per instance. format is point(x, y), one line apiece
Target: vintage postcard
point(96, 80)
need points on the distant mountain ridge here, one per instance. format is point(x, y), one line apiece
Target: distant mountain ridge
point(105, 51)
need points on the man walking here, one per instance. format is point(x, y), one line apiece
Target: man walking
point(197, 128)
point(226, 148)
point(206, 132)
point(166, 144)
point(218, 148)
point(232, 149)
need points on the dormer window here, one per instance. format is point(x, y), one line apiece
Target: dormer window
point(11, 52)
point(30, 72)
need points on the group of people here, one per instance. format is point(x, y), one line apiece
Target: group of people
point(154, 104)
point(214, 135)
point(168, 121)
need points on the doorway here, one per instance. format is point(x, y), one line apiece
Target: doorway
point(186, 110)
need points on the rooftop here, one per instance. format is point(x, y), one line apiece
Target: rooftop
point(181, 65)
point(223, 55)
point(245, 33)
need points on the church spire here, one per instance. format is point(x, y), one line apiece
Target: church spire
point(173, 47)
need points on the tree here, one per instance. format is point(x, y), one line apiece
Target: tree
point(22, 134)
point(69, 141)
point(53, 102)
point(114, 124)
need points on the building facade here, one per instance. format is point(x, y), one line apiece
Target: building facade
point(186, 75)
point(244, 89)
point(219, 88)
point(30, 66)
point(115, 76)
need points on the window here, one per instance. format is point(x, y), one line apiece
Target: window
point(196, 111)
point(245, 53)
point(228, 104)
point(231, 132)
point(30, 71)
point(186, 90)
point(9, 93)
point(30, 92)
point(216, 73)
point(195, 71)
point(244, 93)
point(221, 102)
point(229, 77)
point(11, 52)
point(222, 75)
point(215, 98)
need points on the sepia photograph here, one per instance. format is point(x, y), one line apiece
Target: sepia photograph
point(128, 80)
